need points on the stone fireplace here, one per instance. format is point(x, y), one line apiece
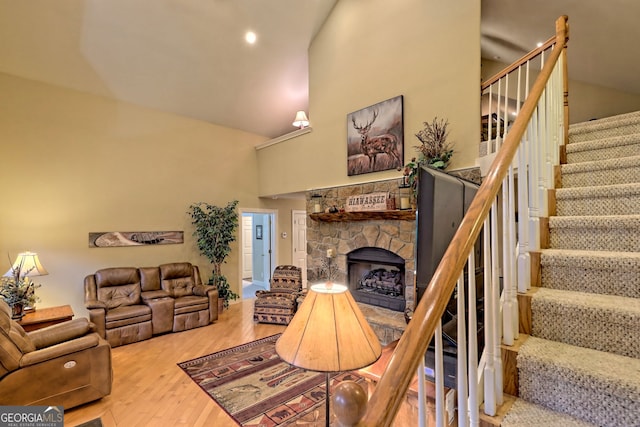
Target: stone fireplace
point(380, 243)
point(351, 234)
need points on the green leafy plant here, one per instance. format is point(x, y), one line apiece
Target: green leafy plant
point(224, 289)
point(215, 230)
point(410, 176)
point(18, 289)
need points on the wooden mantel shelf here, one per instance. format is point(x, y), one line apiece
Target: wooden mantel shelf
point(403, 215)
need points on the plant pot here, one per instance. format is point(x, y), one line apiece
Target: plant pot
point(220, 305)
point(17, 311)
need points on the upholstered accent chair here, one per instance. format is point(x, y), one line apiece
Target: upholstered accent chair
point(67, 364)
point(279, 303)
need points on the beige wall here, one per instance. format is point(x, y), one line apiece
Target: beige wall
point(368, 52)
point(75, 163)
point(586, 101)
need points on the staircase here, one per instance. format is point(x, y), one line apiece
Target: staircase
point(580, 364)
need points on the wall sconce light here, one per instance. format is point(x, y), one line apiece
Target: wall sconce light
point(301, 121)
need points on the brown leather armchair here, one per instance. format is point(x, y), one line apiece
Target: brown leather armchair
point(113, 298)
point(279, 303)
point(195, 304)
point(65, 364)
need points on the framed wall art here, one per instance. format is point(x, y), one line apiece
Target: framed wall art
point(375, 138)
point(258, 232)
point(105, 239)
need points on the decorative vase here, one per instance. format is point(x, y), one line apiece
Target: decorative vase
point(220, 305)
point(17, 311)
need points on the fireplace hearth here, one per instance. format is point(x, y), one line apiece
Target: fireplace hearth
point(376, 276)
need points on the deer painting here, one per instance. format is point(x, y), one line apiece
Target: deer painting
point(371, 146)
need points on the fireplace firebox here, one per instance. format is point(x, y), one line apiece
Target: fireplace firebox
point(376, 276)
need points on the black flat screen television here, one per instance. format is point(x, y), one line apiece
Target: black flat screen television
point(442, 202)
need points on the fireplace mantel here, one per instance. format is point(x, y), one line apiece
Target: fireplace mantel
point(403, 215)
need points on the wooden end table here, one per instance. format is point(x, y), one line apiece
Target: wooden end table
point(43, 317)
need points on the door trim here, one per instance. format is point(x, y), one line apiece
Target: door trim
point(273, 240)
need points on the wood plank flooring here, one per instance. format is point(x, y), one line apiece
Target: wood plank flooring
point(149, 389)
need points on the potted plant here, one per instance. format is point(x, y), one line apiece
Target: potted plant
point(18, 291)
point(215, 229)
point(434, 151)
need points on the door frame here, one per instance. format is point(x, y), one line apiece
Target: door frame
point(272, 239)
point(294, 227)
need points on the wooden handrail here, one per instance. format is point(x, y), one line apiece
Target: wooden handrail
point(390, 391)
point(509, 68)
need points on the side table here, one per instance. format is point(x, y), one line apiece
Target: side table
point(43, 317)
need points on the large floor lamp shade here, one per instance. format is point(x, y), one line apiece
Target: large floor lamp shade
point(329, 334)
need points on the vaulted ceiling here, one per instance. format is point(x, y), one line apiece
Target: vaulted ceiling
point(190, 58)
point(603, 36)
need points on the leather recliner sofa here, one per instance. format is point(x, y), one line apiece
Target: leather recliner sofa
point(130, 304)
point(67, 364)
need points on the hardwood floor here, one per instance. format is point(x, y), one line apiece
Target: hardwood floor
point(149, 389)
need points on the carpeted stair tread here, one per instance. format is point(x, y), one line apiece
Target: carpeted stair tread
point(526, 414)
point(598, 387)
point(617, 199)
point(608, 148)
point(603, 172)
point(597, 272)
point(577, 127)
point(605, 128)
point(601, 322)
point(599, 233)
point(582, 359)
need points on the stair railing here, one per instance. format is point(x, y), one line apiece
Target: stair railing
point(529, 144)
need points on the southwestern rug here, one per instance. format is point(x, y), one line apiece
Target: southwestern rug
point(256, 388)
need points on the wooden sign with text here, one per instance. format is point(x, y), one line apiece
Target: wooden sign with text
point(369, 202)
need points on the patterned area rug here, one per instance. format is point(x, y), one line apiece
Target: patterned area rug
point(255, 387)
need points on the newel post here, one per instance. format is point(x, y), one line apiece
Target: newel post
point(349, 402)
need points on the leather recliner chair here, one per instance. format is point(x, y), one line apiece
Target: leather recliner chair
point(67, 364)
point(113, 299)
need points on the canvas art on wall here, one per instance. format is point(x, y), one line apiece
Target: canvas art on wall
point(106, 239)
point(375, 138)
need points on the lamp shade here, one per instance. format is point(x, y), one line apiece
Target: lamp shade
point(329, 333)
point(301, 120)
point(27, 264)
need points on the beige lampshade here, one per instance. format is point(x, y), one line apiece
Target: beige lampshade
point(301, 120)
point(27, 264)
point(329, 333)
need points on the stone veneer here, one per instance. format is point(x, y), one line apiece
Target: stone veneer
point(397, 236)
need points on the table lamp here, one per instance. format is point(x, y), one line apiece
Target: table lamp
point(327, 334)
point(27, 264)
point(20, 292)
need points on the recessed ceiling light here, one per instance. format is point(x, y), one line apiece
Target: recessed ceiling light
point(539, 44)
point(250, 37)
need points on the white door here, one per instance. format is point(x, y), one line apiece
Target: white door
point(247, 247)
point(300, 242)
